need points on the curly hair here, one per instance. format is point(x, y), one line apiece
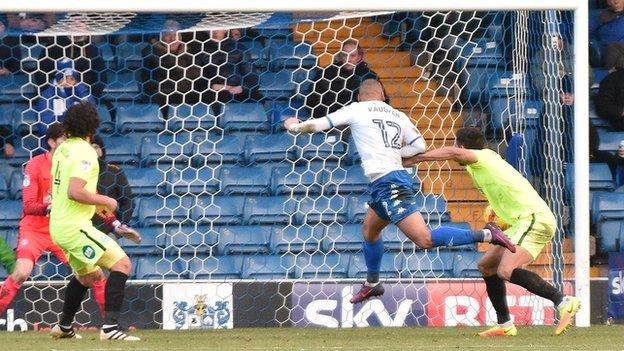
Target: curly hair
point(470, 138)
point(81, 120)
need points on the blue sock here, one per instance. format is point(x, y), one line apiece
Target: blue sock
point(373, 251)
point(450, 236)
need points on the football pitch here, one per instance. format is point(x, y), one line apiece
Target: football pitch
point(386, 339)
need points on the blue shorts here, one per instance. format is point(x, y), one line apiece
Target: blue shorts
point(393, 196)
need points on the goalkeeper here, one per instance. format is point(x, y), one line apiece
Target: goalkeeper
point(382, 137)
point(531, 226)
point(74, 198)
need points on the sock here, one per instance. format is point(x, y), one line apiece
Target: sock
point(74, 294)
point(113, 297)
point(98, 294)
point(496, 290)
point(535, 284)
point(449, 236)
point(7, 293)
point(373, 252)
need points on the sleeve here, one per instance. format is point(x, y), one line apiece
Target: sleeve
point(341, 117)
point(83, 165)
point(126, 205)
point(413, 141)
point(30, 191)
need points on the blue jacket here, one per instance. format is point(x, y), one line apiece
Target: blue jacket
point(608, 28)
point(70, 96)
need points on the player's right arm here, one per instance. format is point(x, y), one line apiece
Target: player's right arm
point(30, 192)
point(77, 192)
point(334, 119)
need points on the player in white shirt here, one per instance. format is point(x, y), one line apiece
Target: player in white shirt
point(383, 136)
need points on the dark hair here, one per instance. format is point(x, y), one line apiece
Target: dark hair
point(55, 131)
point(470, 138)
point(99, 142)
point(81, 120)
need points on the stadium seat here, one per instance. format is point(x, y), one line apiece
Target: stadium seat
point(121, 86)
point(343, 238)
point(10, 235)
point(123, 149)
point(477, 72)
point(155, 211)
point(267, 267)
point(218, 149)
point(166, 149)
point(610, 235)
point(201, 181)
point(321, 266)
point(277, 85)
point(256, 52)
point(322, 209)
point(465, 264)
point(190, 117)
point(129, 54)
point(322, 147)
point(432, 264)
point(214, 268)
point(609, 141)
point(269, 210)
point(48, 267)
point(145, 181)
point(296, 239)
point(244, 116)
point(610, 206)
point(13, 86)
point(600, 177)
point(244, 240)
point(265, 148)
point(301, 180)
point(245, 180)
point(391, 266)
point(346, 180)
point(106, 121)
point(153, 241)
point(221, 210)
point(139, 118)
point(199, 241)
point(11, 213)
point(158, 267)
point(287, 54)
point(4, 188)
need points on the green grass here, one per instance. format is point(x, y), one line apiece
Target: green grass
point(386, 339)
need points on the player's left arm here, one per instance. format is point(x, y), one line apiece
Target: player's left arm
point(413, 141)
point(461, 155)
point(334, 119)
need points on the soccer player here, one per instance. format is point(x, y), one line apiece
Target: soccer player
point(34, 234)
point(382, 137)
point(75, 174)
point(531, 226)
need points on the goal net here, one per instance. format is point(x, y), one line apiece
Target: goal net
point(244, 224)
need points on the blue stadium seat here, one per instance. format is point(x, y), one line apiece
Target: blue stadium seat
point(11, 213)
point(465, 264)
point(158, 267)
point(322, 147)
point(301, 180)
point(322, 209)
point(190, 117)
point(245, 180)
point(256, 52)
point(346, 180)
point(244, 240)
point(321, 266)
point(610, 235)
point(166, 149)
point(610, 206)
point(220, 210)
point(477, 71)
point(199, 241)
point(269, 210)
point(145, 181)
point(395, 240)
point(129, 54)
point(154, 211)
point(276, 85)
point(214, 268)
point(48, 267)
point(391, 266)
point(244, 116)
point(265, 148)
point(20, 157)
point(123, 149)
point(343, 238)
point(609, 141)
point(218, 149)
point(139, 118)
point(153, 241)
point(296, 239)
point(29, 56)
point(267, 267)
point(106, 121)
point(13, 86)
point(432, 264)
point(600, 177)
point(192, 181)
point(287, 54)
point(121, 86)
point(10, 235)
point(4, 188)
point(106, 52)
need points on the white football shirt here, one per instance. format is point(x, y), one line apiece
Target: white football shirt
point(380, 132)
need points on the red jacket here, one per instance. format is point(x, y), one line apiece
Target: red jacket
point(36, 193)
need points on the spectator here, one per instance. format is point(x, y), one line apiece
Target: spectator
point(615, 161)
point(230, 72)
point(112, 182)
point(236, 34)
point(610, 99)
point(7, 146)
point(30, 22)
point(66, 90)
point(9, 52)
point(609, 30)
point(171, 74)
point(337, 85)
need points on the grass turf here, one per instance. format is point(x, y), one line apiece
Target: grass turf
point(529, 338)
